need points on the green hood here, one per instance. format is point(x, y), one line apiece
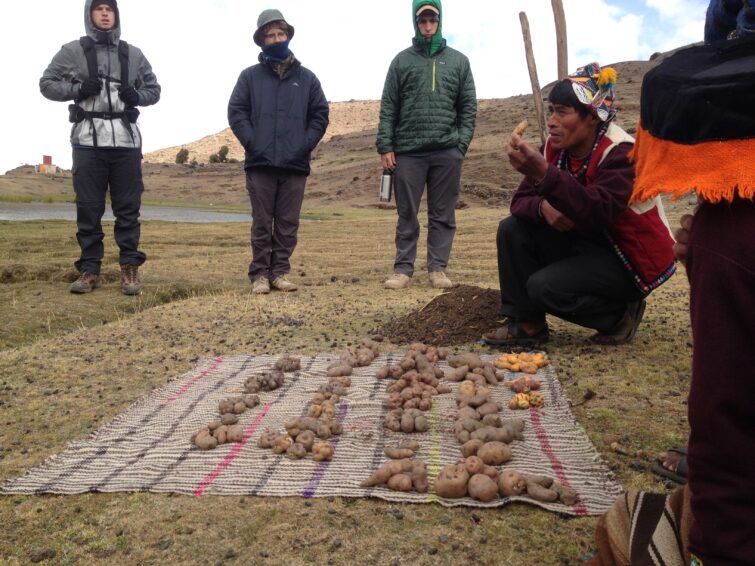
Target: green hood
point(433, 44)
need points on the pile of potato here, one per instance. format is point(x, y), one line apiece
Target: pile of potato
point(268, 381)
point(481, 481)
point(406, 474)
point(298, 446)
point(360, 355)
point(417, 380)
point(526, 392)
point(523, 362)
point(226, 428)
point(406, 420)
point(288, 364)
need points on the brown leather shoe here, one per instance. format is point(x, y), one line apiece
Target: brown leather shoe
point(86, 283)
point(131, 283)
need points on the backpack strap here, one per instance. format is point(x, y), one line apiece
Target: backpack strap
point(91, 56)
point(123, 59)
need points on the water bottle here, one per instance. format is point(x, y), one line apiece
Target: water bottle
point(386, 185)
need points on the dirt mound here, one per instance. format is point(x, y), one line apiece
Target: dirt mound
point(459, 316)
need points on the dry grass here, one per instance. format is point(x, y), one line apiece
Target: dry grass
point(69, 363)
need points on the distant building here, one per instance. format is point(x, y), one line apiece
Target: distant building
point(47, 167)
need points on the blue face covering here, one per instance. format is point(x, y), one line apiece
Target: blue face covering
point(276, 51)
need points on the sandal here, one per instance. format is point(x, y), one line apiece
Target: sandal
point(625, 336)
point(511, 334)
point(679, 473)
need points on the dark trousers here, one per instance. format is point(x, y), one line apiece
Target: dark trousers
point(276, 196)
point(564, 274)
point(94, 170)
point(721, 455)
point(441, 172)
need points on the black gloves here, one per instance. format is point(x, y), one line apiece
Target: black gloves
point(129, 95)
point(90, 87)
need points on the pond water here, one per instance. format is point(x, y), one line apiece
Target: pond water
point(67, 211)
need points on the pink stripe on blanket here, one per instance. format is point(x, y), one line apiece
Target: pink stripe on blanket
point(231, 456)
point(192, 381)
point(558, 468)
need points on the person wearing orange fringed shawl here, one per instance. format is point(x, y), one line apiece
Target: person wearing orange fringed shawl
point(697, 133)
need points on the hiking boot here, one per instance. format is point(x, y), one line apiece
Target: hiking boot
point(283, 284)
point(439, 280)
point(131, 283)
point(261, 286)
point(397, 281)
point(86, 283)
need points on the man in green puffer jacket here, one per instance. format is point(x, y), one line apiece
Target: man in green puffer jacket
point(427, 118)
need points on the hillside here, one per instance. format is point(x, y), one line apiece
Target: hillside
point(345, 165)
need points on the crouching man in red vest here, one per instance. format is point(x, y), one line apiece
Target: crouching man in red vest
point(573, 247)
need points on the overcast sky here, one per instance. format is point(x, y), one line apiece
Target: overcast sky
point(197, 49)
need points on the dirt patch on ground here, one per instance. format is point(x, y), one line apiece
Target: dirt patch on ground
point(459, 316)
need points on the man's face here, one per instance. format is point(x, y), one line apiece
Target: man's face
point(275, 35)
point(428, 25)
point(569, 130)
point(103, 17)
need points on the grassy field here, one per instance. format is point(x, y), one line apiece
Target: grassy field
point(69, 364)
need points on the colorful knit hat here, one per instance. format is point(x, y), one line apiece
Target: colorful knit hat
point(594, 88)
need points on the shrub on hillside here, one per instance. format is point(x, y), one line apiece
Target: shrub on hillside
point(182, 156)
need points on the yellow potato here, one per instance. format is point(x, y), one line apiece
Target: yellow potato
point(521, 127)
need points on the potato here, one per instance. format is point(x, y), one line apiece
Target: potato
point(235, 433)
point(467, 388)
point(339, 369)
point(296, 451)
point(521, 127)
point(221, 434)
point(205, 441)
point(489, 408)
point(491, 472)
point(421, 424)
point(511, 482)
point(494, 453)
point(229, 419)
point(400, 482)
point(379, 476)
point(482, 487)
point(567, 495)
point(452, 481)
point(307, 439)
point(474, 465)
point(457, 374)
point(282, 444)
point(471, 447)
point(471, 360)
point(468, 413)
point(322, 451)
point(267, 439)
point(539, 492)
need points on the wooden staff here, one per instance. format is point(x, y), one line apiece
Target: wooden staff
point(561, 44)
point(537, 95)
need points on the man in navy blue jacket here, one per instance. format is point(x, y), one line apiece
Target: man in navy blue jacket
point(279, 113)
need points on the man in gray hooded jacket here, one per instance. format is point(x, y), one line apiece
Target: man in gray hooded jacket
point(107, 79)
